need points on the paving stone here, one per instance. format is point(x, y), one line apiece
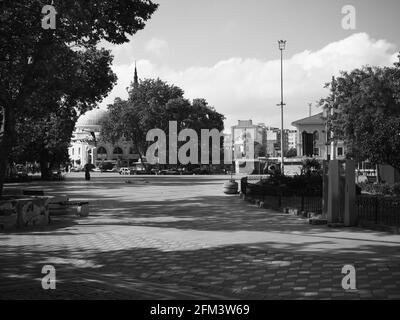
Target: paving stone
point(190, 242)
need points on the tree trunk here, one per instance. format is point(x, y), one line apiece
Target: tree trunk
point(6, 143)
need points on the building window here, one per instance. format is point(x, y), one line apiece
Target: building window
point(117, 150)
point(73, 151)
point(307, 144)
point(101, 150)
point(316, 151)
point(340, 151)
point(79, 150)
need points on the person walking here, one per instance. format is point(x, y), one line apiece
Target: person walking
point(87, 171)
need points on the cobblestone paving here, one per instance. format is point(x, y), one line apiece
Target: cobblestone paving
point(181, 238)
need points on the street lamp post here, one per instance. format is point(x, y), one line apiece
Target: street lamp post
point(282, 46)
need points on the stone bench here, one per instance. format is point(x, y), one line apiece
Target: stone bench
point(21, 208)
point(23, 211)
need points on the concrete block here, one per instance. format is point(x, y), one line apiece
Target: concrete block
point(23, 211)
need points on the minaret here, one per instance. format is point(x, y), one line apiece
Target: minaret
point(135, 78)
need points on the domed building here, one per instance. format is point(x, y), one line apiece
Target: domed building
point(87, 145)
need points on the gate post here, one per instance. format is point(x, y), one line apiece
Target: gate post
point(333, 192)
point(350, 216)
point(325, 188)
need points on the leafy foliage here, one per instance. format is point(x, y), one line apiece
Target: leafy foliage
point(291, 153)
point(366, 113)
point(311, 167)
point(44, 70)
point(307, 185)
point(45, 140)
point(152, 104)
point(380, 188)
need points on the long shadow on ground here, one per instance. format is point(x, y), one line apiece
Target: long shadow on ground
point(237, 271)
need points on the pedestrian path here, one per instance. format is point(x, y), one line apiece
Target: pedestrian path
point(182, 238)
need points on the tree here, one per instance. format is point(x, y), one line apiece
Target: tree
point(366, 113)
point(145, 109)
point(259, 150)
point(42, 69)
point(45, 140)
point(381, 144)
point(311, 166)
point(152, 104)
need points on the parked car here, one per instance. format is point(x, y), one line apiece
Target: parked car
point(114, 169)
point(169, 172)
point(106, 166)
point(200, 171)
point(125, 170)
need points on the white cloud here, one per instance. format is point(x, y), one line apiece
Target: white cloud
point(156, 46)
point(250, 88)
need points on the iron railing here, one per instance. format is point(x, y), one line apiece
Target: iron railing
point(378, 210)
point(370, 209)
point(277, 198)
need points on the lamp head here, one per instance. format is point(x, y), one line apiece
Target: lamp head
point(282, 44)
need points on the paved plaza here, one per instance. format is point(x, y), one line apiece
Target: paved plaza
point(180, 237)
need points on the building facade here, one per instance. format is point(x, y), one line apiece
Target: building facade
point(267, 139)
point(292, 139)
point(87, 145)
point(248, 139)
point(312, 139)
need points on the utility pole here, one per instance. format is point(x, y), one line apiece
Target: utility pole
point(282, 46)
point(333, 141)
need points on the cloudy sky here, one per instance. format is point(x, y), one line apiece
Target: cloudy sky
point(226, 51)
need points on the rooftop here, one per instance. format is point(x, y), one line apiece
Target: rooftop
point(315, 119)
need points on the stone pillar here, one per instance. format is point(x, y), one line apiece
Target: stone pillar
point(94, 155)
point(350, 215)
point(333, 192)
point(85, 154)
point(325, 188)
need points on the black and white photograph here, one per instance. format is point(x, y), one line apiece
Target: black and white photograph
point(212, 152)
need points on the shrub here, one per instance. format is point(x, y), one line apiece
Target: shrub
point(310, 185)
point(396, 189)
point(380, 188)
point(311, 166)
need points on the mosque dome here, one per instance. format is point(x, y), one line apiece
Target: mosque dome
point(91, 118)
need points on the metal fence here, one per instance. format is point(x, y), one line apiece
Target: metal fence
point(378, 210)
point(277, 198)
point(370, 209)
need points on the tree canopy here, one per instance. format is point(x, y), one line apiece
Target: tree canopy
point(44, 69)
point(152, 104)
point(45, 140)
point(365, 105)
